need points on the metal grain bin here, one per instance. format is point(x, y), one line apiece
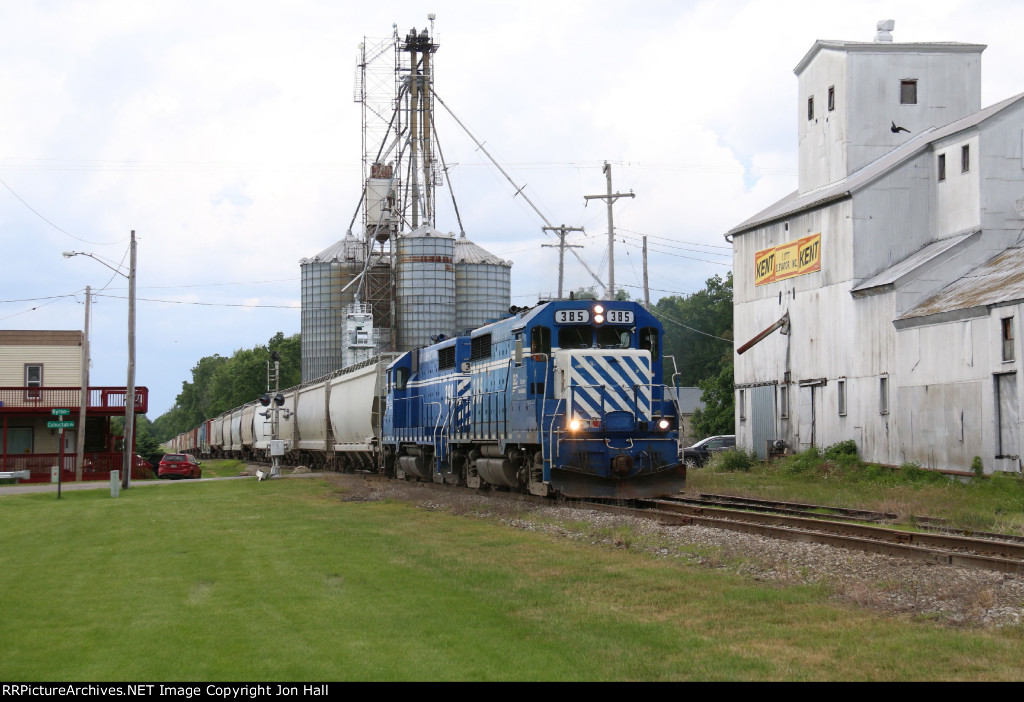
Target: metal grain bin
point(424, 287)
point(483, 287)
point(324, 278)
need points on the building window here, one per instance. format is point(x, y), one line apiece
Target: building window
point(942, 167)
point(743, 404)
point(831, 98)
point(842, 397)
point(883, 395)
point(784, 401)
point(908, 92)
point(965, 158)
point(1007, 333)
point(810, 108)
point(33, 379)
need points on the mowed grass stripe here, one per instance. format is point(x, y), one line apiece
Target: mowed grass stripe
point(284, 580)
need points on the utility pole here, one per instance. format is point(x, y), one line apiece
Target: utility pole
point(129, 396)
point(610, 199)
point(562, 246)
point(84, 403)
point(647, 289)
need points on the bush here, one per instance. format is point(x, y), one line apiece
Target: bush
point(732, 461)
point(843, 448)
point(914, 474)
point(807, 461)
point(977, 467)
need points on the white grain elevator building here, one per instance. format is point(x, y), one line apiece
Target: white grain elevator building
point(894, 274)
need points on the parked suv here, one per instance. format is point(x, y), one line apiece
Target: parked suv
point(697, 455)
point(179, 465)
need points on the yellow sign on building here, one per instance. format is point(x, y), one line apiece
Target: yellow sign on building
point(788, 260)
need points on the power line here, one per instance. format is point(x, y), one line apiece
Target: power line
point(691, 258)
point(697, 331)
point(33, 210)
point(205, 304)
point(33, 309)
point(678, 241)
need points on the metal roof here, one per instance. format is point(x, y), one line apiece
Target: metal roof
point(348, 249)
point(468, 252)
point(1000, 280)
point(888, 47)
point(888, 277)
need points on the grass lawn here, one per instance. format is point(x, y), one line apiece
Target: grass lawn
point(284, 580)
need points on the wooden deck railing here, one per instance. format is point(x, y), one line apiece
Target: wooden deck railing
point(95, 466)
point(105, 400)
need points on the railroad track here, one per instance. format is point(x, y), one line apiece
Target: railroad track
point(936, 547)
point(931, 524)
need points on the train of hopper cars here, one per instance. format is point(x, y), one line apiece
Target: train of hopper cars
point(564, 398)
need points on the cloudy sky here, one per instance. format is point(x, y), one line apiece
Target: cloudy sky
point(225, 134)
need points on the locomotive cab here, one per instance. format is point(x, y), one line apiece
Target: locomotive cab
point(609, 427)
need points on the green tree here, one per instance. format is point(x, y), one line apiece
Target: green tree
point(222, 383)
point(719, 413)
point(698, 331)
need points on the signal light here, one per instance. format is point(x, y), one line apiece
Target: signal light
point(265, 399)
point(278, 399)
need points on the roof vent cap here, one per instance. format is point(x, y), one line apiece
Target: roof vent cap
point(885, 28)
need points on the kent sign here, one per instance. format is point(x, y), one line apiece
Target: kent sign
point(788, 260)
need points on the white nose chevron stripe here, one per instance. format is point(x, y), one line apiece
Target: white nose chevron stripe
point(605, 381)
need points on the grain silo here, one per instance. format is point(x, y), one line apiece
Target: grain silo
point(482, 286)
point(326, 291)
point(424, 287)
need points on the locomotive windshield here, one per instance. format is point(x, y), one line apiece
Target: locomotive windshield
point(614, 338)
point(582, 337)
point(575, 337)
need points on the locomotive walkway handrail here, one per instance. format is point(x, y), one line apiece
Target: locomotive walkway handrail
point(551, 434)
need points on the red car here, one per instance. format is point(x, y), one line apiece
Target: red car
point(179, 465)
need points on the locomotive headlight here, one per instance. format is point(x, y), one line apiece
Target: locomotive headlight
point(598, 309)
point(574, 425)
point(664, 424)
point(599, 319)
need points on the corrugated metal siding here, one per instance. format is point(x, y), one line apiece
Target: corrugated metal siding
point(762, 417)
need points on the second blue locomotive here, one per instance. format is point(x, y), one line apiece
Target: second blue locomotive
point(567, 397)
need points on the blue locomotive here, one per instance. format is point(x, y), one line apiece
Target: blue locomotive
point(567, 397)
